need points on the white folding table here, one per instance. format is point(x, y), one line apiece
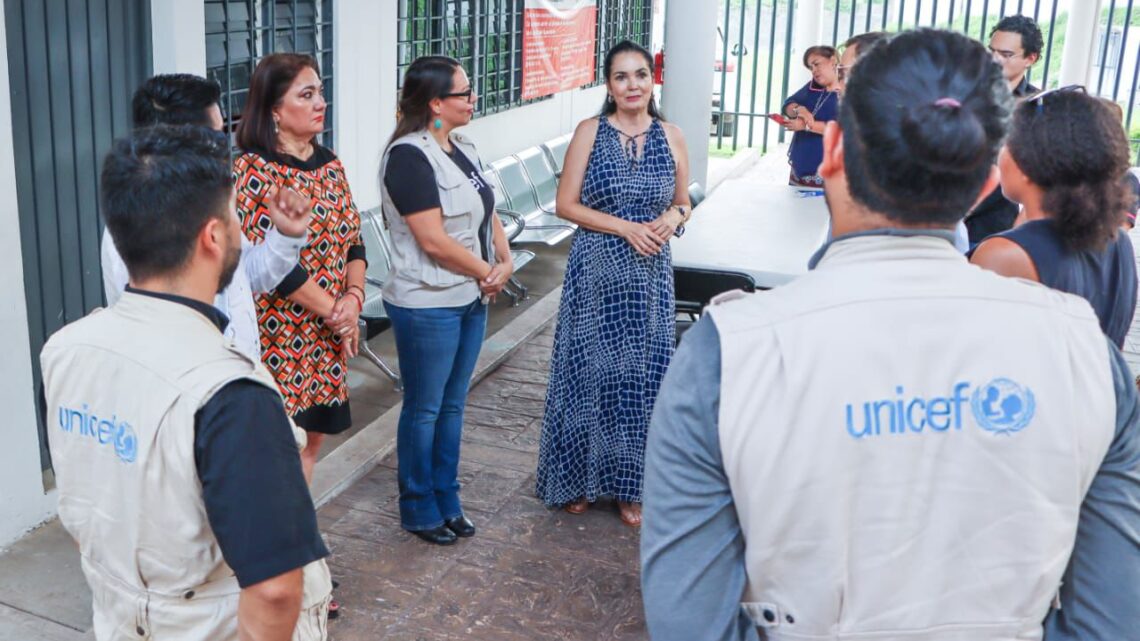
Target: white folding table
point(766, 231)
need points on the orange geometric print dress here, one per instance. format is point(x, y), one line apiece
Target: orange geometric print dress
point(303, 354)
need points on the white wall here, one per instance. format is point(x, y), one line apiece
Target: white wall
point(178, 36)
point(511, 131)
point(23, 502)
point(364, 102)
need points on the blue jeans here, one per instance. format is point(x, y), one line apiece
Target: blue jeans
point(437, 348)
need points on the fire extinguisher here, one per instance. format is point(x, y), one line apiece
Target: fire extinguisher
point(659, 67)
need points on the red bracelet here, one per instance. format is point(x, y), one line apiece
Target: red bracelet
point(358, 297)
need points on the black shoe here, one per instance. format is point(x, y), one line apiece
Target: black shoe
point(438, 535)
point(461, 526)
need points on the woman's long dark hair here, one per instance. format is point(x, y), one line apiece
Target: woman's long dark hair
point(1073, 147)
point(271, 79)
point(923, 118)
point(609, 107)
point(427, 78)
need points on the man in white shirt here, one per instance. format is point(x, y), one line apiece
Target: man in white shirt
point(177, 99)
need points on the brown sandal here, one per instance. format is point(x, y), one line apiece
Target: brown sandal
point(577, 507)
point(629, 515)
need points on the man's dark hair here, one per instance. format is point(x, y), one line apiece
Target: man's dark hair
point(1072, 146)
point(174, 99)
point(864, 41)
point(923, 118)
point(1032, 42)
point(158, 188)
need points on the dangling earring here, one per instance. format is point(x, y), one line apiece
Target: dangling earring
point(276, 130)
point(438, 124)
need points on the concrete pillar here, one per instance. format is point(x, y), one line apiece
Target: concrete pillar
point(364, 93)
point(686, 97)
point(178, 36)
point(808, 33)
point(1081, 45)
point(23, 501)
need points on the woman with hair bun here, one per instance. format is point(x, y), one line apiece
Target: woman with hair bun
point(1064, 163)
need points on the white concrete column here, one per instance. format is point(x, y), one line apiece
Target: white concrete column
point(1081, 45)
point(178, 36)
point(23, 502)
point(808, 33)
point(686, 97)
point(364, 100)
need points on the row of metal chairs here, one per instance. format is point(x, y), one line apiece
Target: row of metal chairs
point(526, 186)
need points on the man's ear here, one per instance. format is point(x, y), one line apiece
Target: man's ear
point(1033, 58)
point(833, 163)
point(211, 239)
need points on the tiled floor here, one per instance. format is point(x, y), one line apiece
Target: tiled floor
point(529, 574)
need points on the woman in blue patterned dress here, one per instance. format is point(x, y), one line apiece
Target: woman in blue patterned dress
point(624, 184)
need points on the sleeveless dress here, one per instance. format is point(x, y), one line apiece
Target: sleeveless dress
point(1105, 278)
point(615, 333)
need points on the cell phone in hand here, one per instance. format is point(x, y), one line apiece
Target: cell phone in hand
point(780, 119)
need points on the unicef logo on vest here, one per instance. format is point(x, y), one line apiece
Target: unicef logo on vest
point(1003, 406)
point(110, 432)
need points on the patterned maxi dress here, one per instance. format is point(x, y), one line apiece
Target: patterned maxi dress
point(298, 348)
point(615, 332)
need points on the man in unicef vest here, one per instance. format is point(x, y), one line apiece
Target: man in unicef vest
point(178, 470)
point(897, 445)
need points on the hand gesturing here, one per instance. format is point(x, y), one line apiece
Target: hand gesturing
point(289, 211)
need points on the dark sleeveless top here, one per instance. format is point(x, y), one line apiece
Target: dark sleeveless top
point(1105, 278)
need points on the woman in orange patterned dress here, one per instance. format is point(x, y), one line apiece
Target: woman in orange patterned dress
point(308, 324)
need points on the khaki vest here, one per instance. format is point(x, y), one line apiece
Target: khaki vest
point(908, 439)
point(417, 280)
point(123, 386)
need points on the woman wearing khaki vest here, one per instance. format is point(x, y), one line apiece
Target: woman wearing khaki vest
point(450, 257)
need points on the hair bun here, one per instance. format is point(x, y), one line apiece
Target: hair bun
point(944, 136)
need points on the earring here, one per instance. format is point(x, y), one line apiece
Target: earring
point(276, 130)
point(438, 124)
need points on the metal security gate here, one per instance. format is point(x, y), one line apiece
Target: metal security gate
point(753, 69)
point(755, 38)
point(73, 66)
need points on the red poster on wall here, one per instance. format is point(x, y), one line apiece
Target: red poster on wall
point(558, 45)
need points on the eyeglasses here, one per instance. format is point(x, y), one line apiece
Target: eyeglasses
point(1039, 99)
point(466, 95)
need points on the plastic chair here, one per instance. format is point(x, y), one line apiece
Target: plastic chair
point(694, 288)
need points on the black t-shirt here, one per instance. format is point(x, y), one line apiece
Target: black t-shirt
point(410, 181)
point(256, 498)
point(996, 213)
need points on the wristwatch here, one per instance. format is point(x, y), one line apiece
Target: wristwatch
point(680, 231)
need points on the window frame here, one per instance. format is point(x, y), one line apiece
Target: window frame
point(462, 29)
point(268, 26)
